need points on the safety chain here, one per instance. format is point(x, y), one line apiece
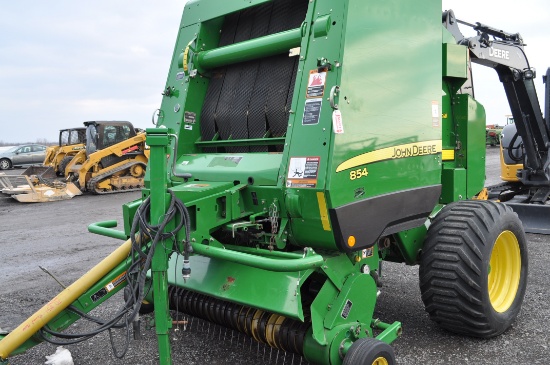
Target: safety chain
point(274, 220)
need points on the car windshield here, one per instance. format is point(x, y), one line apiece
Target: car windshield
point(11, 149)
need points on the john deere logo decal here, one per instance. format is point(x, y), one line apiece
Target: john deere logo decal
point(392, 153)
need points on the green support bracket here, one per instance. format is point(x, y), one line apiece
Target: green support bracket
point(158, 139)
point(390, 331)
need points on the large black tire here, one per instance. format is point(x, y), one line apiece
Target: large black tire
point(5, 164)
point(473, 270)
point(369, 351)
point(63, 165)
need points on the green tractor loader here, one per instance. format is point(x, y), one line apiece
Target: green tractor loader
point(299, 144)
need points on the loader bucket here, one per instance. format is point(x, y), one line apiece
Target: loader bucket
point(535, 217)
point(44, 172)
point(44, 193)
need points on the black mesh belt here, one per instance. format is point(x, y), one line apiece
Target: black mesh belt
point(249, 99)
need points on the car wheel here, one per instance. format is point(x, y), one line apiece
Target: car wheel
point(5, 164)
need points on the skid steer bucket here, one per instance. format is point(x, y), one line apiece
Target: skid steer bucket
point(40, 185)
point(535, 217)
point(44, 172)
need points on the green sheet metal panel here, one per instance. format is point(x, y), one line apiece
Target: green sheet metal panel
point(309, 132)
point(475, 135)
point(455, 61)
point(390, 96)
point(454, 183)
point(263, 168)
point(309, 129)
point(270, 291)
point(384, 168)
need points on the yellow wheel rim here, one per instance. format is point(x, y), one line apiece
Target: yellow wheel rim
point(504, 271)
point(380, 361)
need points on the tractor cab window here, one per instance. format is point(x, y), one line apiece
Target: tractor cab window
point(73, 137)
point(114, 134)
point(64, 138)
point(77, 136)
point(91, 139)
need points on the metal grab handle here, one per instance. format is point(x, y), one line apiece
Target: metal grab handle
point(334, 92)
point(159, 114)
point(291, 263)
point(105, 228)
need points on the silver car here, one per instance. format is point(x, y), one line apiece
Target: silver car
point(29, 154)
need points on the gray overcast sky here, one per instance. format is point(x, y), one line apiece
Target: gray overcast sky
point(64, 62)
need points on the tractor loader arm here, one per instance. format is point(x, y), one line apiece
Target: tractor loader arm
point(504, 52)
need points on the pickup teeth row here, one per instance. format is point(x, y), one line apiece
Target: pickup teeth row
point(264, 327)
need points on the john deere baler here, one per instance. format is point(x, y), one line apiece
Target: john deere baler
point(298, 145)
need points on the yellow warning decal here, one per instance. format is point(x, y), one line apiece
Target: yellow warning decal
point(116, 282)
point(392, 153)
point(323, 210)
point(448, 155)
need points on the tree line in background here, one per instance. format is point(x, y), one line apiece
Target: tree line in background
point(38, 141)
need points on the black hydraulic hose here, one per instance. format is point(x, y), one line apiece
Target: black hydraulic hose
point(136, 274)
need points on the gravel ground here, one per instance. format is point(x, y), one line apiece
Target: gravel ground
point(55, 236)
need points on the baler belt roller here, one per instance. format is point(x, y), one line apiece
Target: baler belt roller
point(264, 327)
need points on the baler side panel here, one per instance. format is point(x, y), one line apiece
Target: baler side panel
point(390, 100)
point(310, 126)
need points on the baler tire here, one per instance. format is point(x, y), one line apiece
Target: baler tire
point(63, 165)
point(473, 270)
point(369, 351)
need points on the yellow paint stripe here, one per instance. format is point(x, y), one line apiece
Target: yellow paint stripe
point(448, 155)
point(395, 152)
point(323, 210)
point(185, 55)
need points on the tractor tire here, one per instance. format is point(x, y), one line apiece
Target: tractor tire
point(5, 164)
point(473, 270)
point(63, 165)
point(369, 351)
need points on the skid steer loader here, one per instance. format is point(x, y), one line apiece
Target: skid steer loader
point(299, 144)
point(70, 142)
point(114, 160)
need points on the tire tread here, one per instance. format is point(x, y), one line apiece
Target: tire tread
point(451, 266)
